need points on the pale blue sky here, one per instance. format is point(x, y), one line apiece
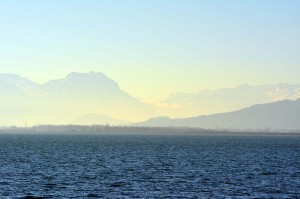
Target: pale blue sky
point(153, 48)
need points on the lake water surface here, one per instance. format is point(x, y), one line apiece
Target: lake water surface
point(149, 166)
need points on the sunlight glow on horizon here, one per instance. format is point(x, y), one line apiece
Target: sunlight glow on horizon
point(154, 48)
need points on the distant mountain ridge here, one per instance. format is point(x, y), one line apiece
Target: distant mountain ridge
point(11, 83)
point(75, 83)
point(281, 115)
point(61, 100)
point(227, 99)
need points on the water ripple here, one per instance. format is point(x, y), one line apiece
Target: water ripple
point(124, 166)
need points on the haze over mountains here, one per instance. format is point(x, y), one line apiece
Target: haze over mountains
point(227, 99)
point(281, 115)
point(86, 98)
point(96, 119)
point(61, 101)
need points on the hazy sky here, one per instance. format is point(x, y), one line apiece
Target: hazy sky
point(153, 48)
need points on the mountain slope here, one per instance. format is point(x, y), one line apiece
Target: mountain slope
point(13, 84)
point(81, 84)
point(59, 101)
point(81, 93)
point(227, 99)
point(277, 115)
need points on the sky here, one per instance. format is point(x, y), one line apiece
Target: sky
point(153, 48)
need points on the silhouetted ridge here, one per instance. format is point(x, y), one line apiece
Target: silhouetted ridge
point(277, 115)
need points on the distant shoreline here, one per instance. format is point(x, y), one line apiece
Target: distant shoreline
point(106, 129)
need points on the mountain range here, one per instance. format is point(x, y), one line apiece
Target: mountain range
point(281, 115)
point(86, 98)
point(60, 101)
point(227, 99)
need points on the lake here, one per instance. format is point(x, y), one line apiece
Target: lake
point(149, 166)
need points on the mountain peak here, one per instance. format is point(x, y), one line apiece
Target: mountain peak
point(16, 82)
point(87, 80)
point(12, 77)
point(100, 119)
point(89, 75)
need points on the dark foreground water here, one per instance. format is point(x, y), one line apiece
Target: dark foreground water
point(140, 166)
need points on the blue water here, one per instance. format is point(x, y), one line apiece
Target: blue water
point(145, 166)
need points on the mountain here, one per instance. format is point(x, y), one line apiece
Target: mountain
point(281, 115)
point(60, 101)
point(226, 99)
point(97, 119)
point(11, 84)
point(14, 92)
point(80, 93)
point(82, 84)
